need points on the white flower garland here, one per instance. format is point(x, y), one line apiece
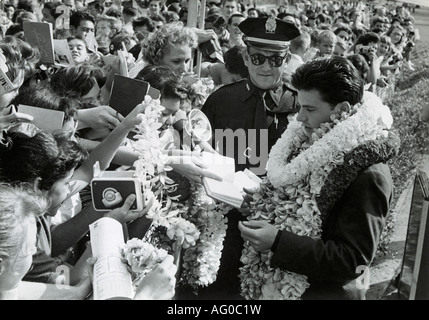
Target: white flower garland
point(372, 119)
point(287, 197)
point(201, 262)
point(198, 228)
point(151, 170)
point(141, 257)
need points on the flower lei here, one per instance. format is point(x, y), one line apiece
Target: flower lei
point(141, 257)
point(201, 262)
point(151, 169)
point(289, 197)
point(198, 93)
point(196, 227)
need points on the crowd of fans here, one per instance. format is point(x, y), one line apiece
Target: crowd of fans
point(377, 38)
point(381, 33)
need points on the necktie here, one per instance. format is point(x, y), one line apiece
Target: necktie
point(260, 115)
point(268, 100)
point(271, 100)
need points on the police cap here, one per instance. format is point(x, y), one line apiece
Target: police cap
point(268, 33)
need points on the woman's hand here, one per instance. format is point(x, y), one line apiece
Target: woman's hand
point(8, 116)
point(260, 234)
point(131, 120)
point(192, 167)
point(101, 117)
point(205, 35)
point(382, 82)
point(124, 214)
point(158, 284)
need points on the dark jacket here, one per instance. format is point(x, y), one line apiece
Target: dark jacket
point(349, 240)
point(238, 107)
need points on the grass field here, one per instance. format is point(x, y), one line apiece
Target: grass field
point(406, 103)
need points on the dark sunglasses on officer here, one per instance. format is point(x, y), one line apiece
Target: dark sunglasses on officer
point(275, 61)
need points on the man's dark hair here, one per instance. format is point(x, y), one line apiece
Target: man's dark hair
point(335, 78)
point(52, 7)
point(360, 63)
point(157, 17)
point(77, 16)
point(234, 15)
point(26, 5)
point(144, 21)
point(97, 5)
point(376, 20)
point(234, 62)
point(281, 15)
point(367, 38)
point(46, 156)
point(218, 20)
point(113, 12)
point(131, 11)
point(343, 27)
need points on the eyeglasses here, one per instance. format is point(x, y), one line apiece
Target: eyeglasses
point(274, 61)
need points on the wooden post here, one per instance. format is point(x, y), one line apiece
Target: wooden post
point(414, 275)
point(192, 20)
point(196, 17)
point(201, 22)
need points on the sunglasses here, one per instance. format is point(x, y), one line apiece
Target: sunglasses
point(274, 61)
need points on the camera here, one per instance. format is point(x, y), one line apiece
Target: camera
point(395, 59)
point(365, 49)
point(111, 197)
point(110, 189)
point(410, 44)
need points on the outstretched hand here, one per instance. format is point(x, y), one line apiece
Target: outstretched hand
point(8, 116)
point(124, 214)
point(192, 167)
point(101, 117)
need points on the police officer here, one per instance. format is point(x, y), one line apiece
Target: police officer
point(250, 115)
point(247, 117)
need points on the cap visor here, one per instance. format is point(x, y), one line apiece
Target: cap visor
point(267, 47)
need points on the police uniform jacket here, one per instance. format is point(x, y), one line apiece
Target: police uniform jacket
point(238, 106)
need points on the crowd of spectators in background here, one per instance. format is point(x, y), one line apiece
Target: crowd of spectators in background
point(377, 37)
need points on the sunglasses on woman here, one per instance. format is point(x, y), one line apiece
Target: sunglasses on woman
point(274, 61)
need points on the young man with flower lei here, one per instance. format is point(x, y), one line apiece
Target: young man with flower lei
point(317, 217)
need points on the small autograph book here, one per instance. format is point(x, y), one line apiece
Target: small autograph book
point(230, 189)
point(127, 93)
point(46, 119)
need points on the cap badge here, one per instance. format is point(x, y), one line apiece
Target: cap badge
point(270, 25)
